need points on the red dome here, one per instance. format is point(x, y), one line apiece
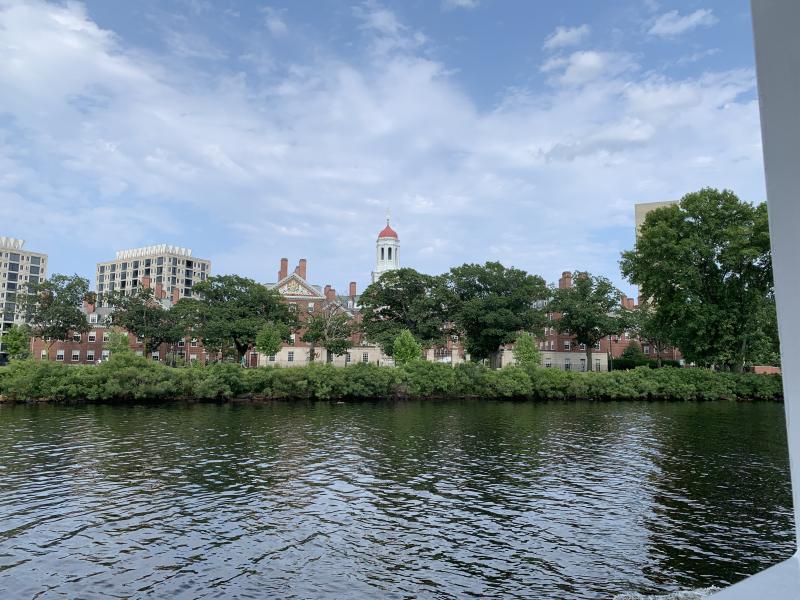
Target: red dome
point(388, 232)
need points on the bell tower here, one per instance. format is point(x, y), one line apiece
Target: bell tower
point(387, 252)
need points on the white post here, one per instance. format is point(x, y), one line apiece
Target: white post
point(776, 24)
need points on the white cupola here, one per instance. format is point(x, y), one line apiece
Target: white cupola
point(387, 252)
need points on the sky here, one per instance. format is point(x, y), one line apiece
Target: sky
point(504, 130)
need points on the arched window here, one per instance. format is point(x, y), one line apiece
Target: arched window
point(390, 254)
point(382, 249)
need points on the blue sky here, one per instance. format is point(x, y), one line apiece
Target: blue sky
point(515, 131)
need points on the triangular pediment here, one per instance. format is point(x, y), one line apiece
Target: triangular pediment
point(294, 286)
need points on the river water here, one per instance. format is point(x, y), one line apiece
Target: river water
point(390, 500)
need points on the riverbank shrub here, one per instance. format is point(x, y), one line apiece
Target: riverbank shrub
point(128, 378)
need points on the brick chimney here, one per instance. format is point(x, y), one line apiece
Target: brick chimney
point(326, 290)
point(352, 289)
point(88, 306)
point(330, 293)
point(159, 290)
point(284, 269)
point(146, 281)
point(176, 295)
point(566, 280)
point(300, 269)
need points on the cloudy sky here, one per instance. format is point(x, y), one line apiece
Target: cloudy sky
point(504, 130)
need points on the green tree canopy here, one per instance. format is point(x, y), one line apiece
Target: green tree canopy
point(405, 299)
point(331, 328)
point(526, 352)
point(491, 303)
point(406, 349)
point(144, 316)
point(590, 310)
point(271, 337)
point(647, 323)
point(54, 308)
point(705, 264)
point(232, 310)
point(17, 342)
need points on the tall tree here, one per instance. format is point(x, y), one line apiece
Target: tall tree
point(647, 323)
point(526, 353)
point(406, 349)
point(331, 328)
point(232, 310)
point(590, 310)
point(17, 342)
point(405, 299)
point(705, 264)
point(53, 308)
point(491, 304)
point(143, 315)
point(271, 337)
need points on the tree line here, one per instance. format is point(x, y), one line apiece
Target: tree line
point(703, 268)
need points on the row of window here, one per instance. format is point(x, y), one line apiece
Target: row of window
point(347, 357)
point(75, 355)
point(15, 257)
point(568, 346)
point(147, 262)
point(92, 337)
point(548, 363)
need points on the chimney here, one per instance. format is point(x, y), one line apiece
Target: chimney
point(88, 306)
point(630, 303)
point(566, 280)
point(326, 290)
point(159, 290)
point(352, 289)
point(330, 293)
point(146, 281)
point(284, 269)
point(300, 269)
point(176, 295)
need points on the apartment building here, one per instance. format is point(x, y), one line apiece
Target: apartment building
point(172, 271)
point(18, 268)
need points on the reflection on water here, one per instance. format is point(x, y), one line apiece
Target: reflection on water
point(560, 500)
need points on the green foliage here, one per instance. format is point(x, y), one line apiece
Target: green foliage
point(406, 349)
point(332, 328)
point(405, 299)
point(491, 303)
point(526, 352)
point(129, 378)
point(633, 352)
point(143, 315)
point(118, 343)
point(17, 342)
point(53, 307)
point(590, 310)
point(271, 337)
point(232, 310)
point(706, 265)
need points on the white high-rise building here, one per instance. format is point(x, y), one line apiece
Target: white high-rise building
point(18, 268)
point(170, 270)
point(387, 252)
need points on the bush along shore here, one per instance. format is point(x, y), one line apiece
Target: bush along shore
point(128, 378)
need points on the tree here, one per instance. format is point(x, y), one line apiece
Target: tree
point(332, 328)
point(647, 323)
point(271, 337)
point(118, 343)
point(17, 342)
point(405, 299)
point(589, 310)
point(143, 315)
point(633, 353)
point(53, 308)
point(706, 266)
point(490, 304)
point(526, 353)
point(232, 310)
point(406, 349)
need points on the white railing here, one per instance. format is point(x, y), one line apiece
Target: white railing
point(152, 250)
point(10, 243)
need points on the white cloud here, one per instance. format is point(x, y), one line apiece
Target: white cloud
point(105, 147)
point(274, 21)
point(387, 32)
point(672, 24)
point(563, 37)
point(454, 4)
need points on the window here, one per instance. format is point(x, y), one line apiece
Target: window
point(567, 345)
point(567, 364)
point(193, 343)
point(646, 348)
point(60, 355)
point(181, 343)
point(43, 355)
point(76, 337)
point(382, 256)
point(290, 357)
point(390, 254)
point(597, 364)
point(154, 356)
point(292, 338)
point(311, 307)
point(548, 363)
point(76, 355)
point(90, 356)
point(105, 336)
point(93, 319)
point(365, 357)
point(105, 354)
point(271, 358)
point(596, 346)
point(347, 358)
point(583, 364)
point(92, 336)
point(582, 346)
